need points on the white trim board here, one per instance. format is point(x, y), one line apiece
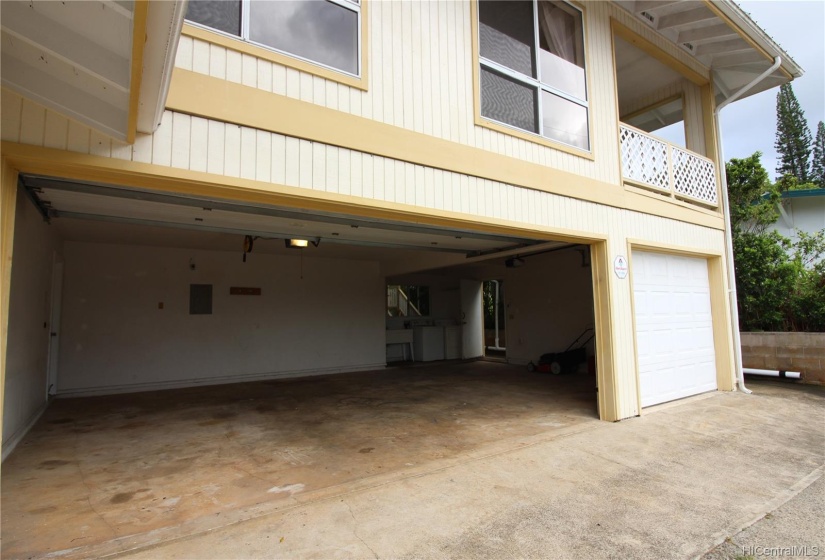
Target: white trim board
point(17, 437)
point(222, 380)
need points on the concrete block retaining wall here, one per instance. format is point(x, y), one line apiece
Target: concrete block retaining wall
point(792, 351)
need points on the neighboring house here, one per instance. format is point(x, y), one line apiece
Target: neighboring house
point(802, 210)
point(437, 143)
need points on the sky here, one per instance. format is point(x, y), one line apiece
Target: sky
point(798, 27)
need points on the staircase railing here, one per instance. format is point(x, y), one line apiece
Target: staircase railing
point(399, 302)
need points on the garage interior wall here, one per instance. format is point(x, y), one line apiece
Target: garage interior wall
point(35, 245)
point(549, 300)
point(116, 337)
point(549, 303)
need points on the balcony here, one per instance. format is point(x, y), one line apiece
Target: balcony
point(654, 164)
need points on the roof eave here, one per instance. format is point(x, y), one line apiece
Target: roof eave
point(745, 24)
point(803, 193)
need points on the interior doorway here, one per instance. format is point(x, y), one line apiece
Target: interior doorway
point(495, 320)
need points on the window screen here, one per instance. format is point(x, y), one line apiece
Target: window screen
point(507, 100)
point(506, 34)
point(223, 15)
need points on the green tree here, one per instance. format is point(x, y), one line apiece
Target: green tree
point(752, 198)
point(806, 306)
point(793, 137)
point(818, 157)
point(765, 277)
point(791, 183)
point(779, 283)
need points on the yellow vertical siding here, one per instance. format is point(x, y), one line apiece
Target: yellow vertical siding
point(420, 54)
point(197, 144)
point(8, 204)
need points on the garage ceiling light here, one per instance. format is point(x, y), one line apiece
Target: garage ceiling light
point(301, 243)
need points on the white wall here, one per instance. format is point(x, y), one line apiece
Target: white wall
point(805, 213)
point(35, 244)
point(549, 302)
point(116, 338)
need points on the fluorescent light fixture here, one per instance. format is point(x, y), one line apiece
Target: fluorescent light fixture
point(297, 243)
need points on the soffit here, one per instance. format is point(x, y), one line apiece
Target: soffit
point(722, 37)
point(76, 58)
point(73, 57)
point(639, 75)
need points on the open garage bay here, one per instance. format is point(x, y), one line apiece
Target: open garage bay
point(102, 474)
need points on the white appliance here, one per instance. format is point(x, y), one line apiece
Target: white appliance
point(452, 342)
point(428, 343)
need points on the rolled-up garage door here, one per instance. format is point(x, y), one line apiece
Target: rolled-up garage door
point(674, 330)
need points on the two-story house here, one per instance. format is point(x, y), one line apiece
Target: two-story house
point(800, 211)
point(216, 192)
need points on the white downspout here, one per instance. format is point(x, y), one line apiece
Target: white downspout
point(734, 308)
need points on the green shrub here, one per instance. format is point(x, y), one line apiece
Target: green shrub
point(764, 280)
point(779, 284)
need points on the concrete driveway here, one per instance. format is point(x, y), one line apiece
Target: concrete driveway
point(674, 483)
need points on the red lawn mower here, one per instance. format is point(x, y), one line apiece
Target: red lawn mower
point(567, 361)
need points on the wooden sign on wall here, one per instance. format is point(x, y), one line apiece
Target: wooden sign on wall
point(238, 291)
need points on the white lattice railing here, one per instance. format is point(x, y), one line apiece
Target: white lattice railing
point(658, 165)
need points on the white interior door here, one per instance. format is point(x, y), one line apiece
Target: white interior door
point(54, 325)
point(674, 327)
point(472, 331)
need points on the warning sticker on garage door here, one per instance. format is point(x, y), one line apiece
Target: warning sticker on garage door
point(620, 266)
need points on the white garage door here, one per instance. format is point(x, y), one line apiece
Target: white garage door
point(674, 332)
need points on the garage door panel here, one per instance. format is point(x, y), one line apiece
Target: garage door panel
point(674, 333)
point(663, 385)
point(673, 360)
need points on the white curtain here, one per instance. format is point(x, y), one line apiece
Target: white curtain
point(558, 28)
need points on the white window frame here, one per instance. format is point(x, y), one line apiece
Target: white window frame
point(536, 83)
point(352, 5)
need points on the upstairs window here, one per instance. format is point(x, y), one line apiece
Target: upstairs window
point(532, 68)
point(324, 32)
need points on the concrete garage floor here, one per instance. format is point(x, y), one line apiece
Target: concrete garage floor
point(109, 472)
point(486, 461)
